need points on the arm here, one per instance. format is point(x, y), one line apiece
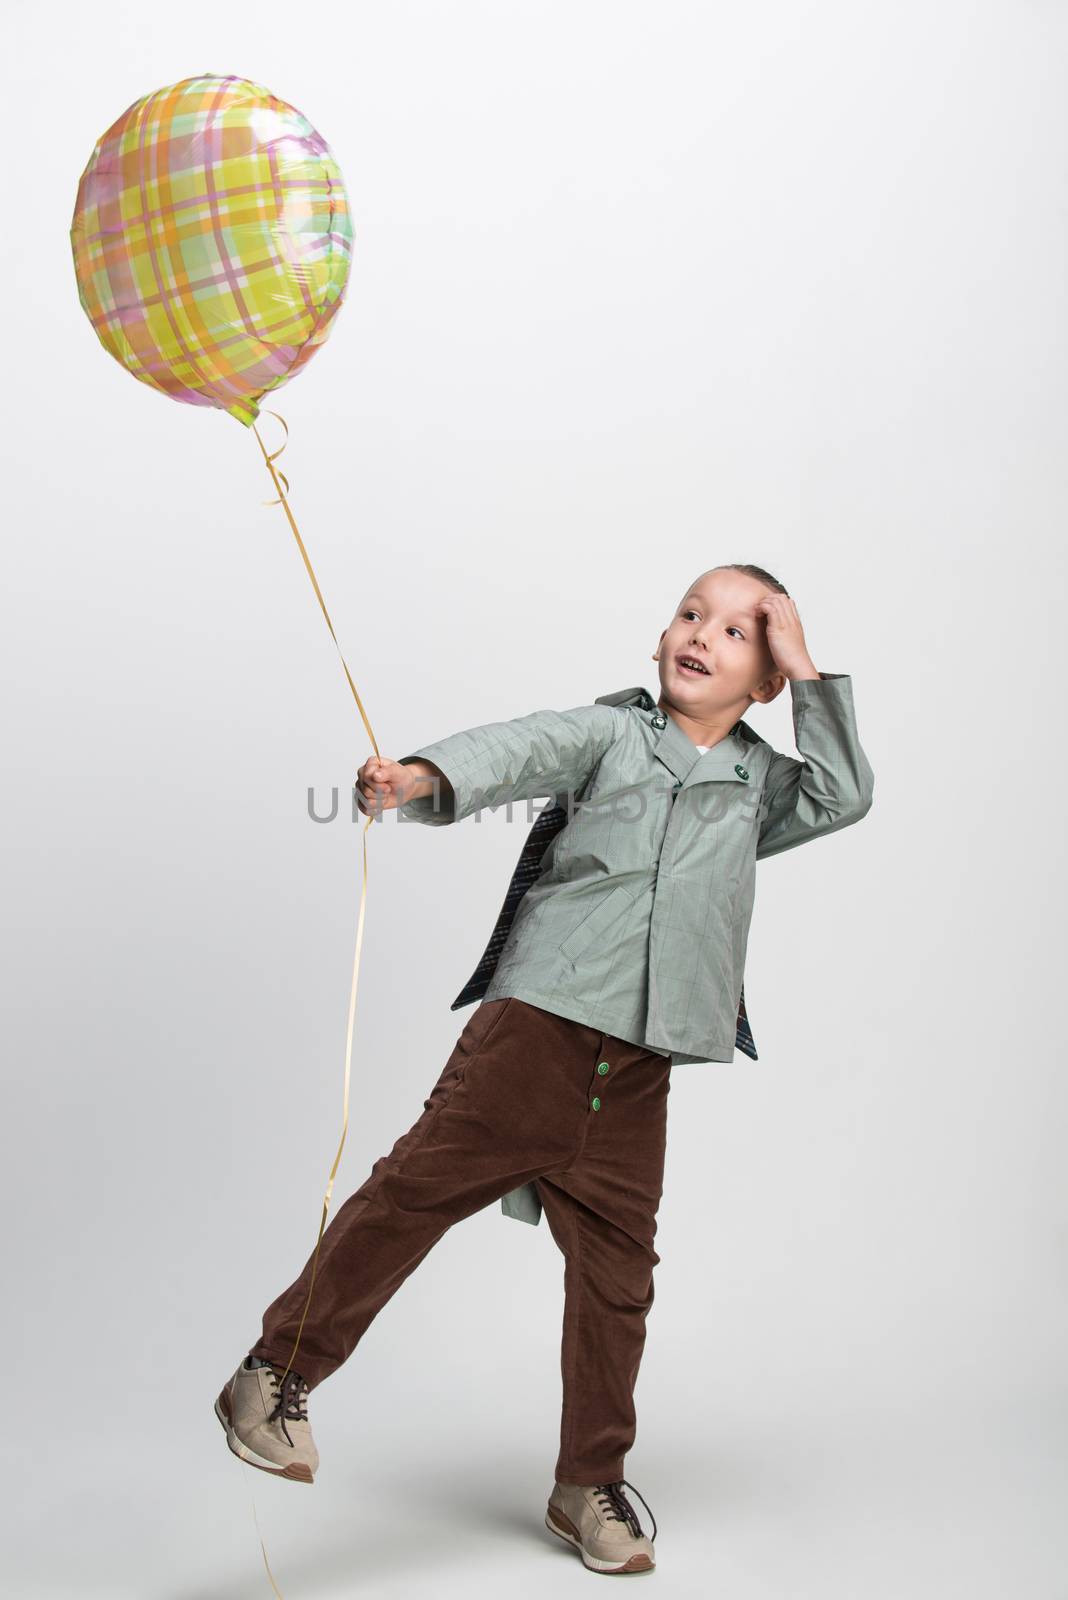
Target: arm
point(832, 786)
point(544, 753)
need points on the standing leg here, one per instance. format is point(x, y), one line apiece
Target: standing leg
point(602, 1213)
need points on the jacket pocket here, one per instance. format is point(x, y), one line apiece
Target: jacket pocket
point(595, 923)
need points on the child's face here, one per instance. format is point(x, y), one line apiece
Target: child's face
point(717, 625)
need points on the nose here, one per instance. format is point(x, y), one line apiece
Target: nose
point(699, 648)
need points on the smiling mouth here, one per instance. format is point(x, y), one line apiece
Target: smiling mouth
point(690, 667)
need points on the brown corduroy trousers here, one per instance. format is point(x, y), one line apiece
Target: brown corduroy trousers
point(526, 1095)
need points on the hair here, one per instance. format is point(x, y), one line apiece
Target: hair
point(752, 571)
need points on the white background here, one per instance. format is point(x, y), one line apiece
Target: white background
point(637, 288)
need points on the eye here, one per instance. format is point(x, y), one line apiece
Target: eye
point(689, 613)
point(738, 631)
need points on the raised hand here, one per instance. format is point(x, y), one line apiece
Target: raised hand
point(786, 637)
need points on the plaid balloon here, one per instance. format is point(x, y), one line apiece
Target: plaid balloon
point(212, 240)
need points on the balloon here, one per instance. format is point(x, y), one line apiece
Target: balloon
point(212, 240)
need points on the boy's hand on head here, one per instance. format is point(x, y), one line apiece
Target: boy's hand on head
point(786, 637)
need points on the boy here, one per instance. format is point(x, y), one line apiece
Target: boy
point(623, 957)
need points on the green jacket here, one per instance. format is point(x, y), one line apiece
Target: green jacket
point(637, 920)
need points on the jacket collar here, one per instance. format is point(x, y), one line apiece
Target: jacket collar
point(677, 750)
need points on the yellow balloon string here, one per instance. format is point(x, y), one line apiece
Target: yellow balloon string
point(263, 1547)
point(270, 460)
point(276, 476)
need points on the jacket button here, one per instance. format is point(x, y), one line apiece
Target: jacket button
point(596, 1102)
point(659, 720)
point(740, 770)
point(602, 1067)
point(675, 787)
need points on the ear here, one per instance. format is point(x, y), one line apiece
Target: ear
point(769, 688)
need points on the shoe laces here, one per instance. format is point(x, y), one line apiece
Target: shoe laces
point(291, 1394)
point(617, 1507)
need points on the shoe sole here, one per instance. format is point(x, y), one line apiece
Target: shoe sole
point(296, 1471)
point(567, 1531)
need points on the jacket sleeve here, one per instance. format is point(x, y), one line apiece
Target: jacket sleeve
point(544, 753)
point(833, 785)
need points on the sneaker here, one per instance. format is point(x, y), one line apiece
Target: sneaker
point(266, 1420)
point(602, 1525)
